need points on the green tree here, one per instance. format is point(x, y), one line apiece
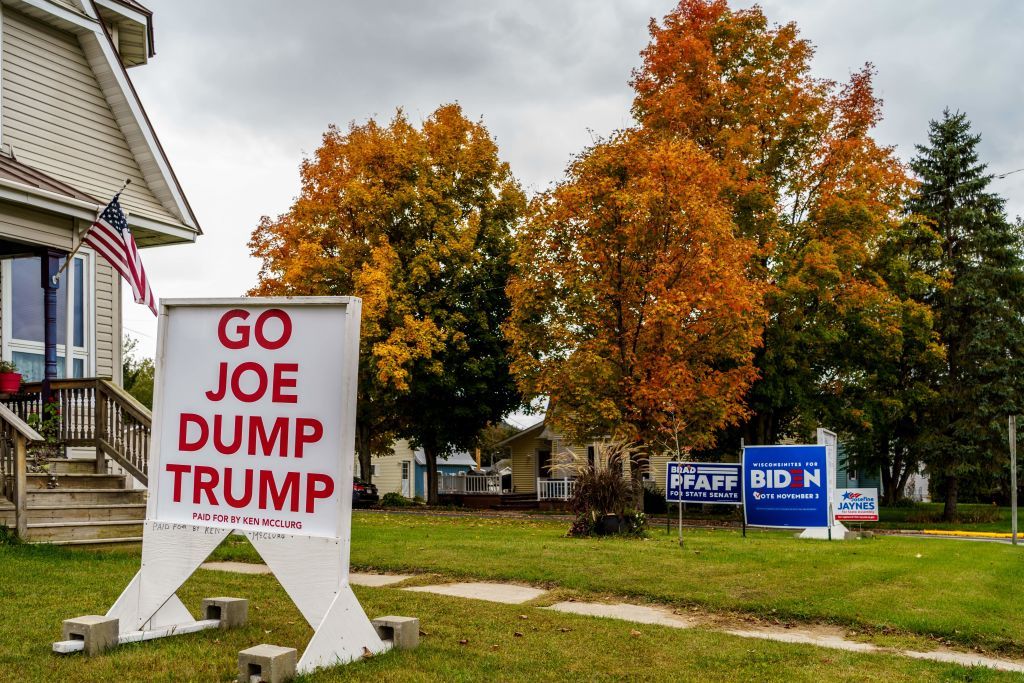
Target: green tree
point(978, 305)
point(137, 373)
point(417, 222)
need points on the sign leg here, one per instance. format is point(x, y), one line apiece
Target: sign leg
point(344, 635)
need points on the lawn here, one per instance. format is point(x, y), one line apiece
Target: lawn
point(42, 586)
point(965, 592)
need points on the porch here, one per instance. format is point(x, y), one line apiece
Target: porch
point(76, 472)
point(483, 491)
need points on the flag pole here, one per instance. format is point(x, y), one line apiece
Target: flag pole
point(81, 239)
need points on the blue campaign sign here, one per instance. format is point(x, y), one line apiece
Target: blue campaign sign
point(704, 482)
point(785, 486)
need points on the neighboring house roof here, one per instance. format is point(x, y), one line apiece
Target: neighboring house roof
point(458, 459)
point(535, 430)
point(13, 170)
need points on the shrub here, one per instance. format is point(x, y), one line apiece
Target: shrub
point(395, 500)
point(7, 536)
point(603, 492)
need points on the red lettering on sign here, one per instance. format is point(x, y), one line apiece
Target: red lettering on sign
point(205, 480)
point(204, 432)
point(218, 435)
point(282, 382)
point(229, 497)
point(177, 471)
point(278, 435)
point(313, 492)
point(278, 496)
point(236, 382)
point(307, 430)
point(286, 329)
point(242, 338)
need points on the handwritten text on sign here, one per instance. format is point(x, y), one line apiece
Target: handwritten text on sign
point(250, 435)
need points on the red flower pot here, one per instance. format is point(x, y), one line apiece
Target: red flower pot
point(10, 382)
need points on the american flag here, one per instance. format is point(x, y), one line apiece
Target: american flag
point(110, 236)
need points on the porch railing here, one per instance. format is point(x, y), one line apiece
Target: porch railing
point(15, 437)
point(555, 489)
point(95, 413)
point(468, 483)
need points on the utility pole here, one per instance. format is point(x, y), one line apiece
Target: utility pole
point(1013, 477)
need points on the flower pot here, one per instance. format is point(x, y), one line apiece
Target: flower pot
point(10, 382)
point(609, 524)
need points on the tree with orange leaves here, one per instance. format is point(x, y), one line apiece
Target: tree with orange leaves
point(803, 178)
point(417, 222)
point(632, 310)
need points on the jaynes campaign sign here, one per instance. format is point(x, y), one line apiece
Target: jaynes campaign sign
point(857, 505)
point(785, 486)
point(250, 413)
point(703, 482)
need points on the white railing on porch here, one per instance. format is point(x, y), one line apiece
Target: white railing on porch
point(555, 489)
point(468, 483)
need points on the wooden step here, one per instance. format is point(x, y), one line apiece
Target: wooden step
point(69, 466)
point(50, 532)
point(86, 513)
point(76, 481)
point(61, 496)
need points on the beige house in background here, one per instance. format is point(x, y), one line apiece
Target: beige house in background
point(538, 454)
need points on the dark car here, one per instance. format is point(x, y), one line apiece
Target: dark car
point(363, 494)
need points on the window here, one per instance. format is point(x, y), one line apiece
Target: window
point(591, 460)
point(23, 317)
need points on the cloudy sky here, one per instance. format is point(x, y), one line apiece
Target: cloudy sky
point(241, 90)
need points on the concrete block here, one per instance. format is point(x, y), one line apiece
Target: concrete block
point(403, 632)
point(267, 663)
point(99, 633)
point(232, 612)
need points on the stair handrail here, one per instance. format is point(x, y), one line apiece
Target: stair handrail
point(135, 463)
point(17, 435)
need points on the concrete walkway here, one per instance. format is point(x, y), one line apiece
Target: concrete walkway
point(512, 594)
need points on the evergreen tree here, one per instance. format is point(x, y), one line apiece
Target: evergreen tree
point(978, 306)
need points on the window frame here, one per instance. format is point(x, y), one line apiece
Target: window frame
point(9, 345)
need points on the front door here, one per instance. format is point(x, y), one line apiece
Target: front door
point(544, 463)
point(406, 479)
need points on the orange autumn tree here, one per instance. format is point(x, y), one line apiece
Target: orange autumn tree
point(417, 222)
point(804, 179)
point(631, 308)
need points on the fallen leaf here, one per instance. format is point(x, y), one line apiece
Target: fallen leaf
point(423, 633)
point(517, 634)
point(366, 652)
point(523, 616)
point(494, 647)
point(463, 641)
point(564, 629)
point(634, 632)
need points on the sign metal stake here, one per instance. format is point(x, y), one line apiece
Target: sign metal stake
point(680, 525)
point(1013, 477)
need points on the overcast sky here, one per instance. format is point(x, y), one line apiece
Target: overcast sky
point(241, 90)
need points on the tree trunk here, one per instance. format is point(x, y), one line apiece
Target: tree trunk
point(952, 486)
point(430, 454)
point(363, 446)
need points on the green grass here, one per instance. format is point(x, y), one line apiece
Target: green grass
point(929, 516)
point(964, 592)
point(42, 586)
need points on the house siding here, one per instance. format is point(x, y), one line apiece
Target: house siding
point(108, 323)
point(34, 228)
point(58, 121)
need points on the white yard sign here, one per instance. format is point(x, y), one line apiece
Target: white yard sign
point(253, 430)
point(251, 419)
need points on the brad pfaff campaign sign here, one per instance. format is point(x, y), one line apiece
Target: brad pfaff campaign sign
point(704, 482)
point(856, 505)
point(785, 486)
point(251, 417)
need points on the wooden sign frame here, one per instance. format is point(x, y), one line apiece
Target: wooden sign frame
point(314, 570)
